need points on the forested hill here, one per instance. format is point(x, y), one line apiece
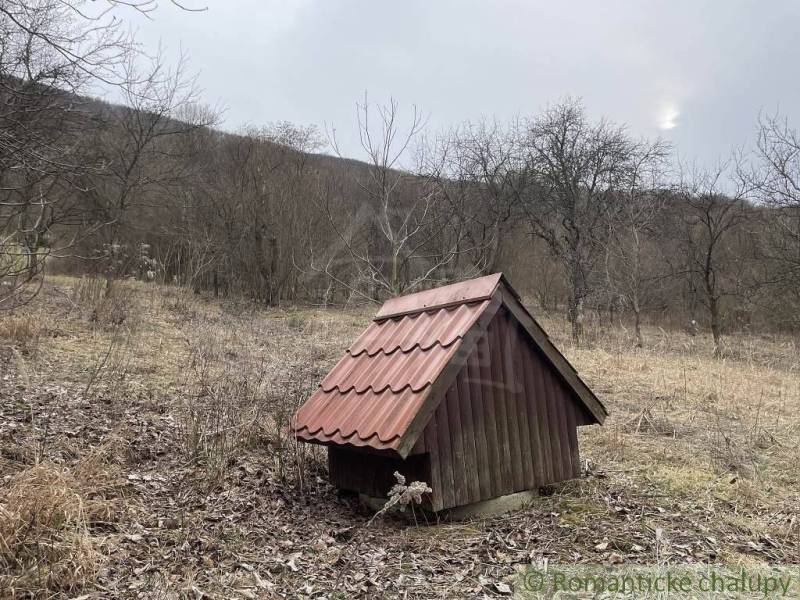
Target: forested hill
point(599, 225)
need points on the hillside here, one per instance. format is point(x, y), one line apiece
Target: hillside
point(142, 454)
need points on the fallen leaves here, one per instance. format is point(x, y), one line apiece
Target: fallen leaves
point(257, 534)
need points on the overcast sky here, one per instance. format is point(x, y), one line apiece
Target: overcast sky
point(696, 73)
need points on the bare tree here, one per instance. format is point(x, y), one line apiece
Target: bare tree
point(712, 218)
point(45, 55)
point(775, 176)
point(51, 50)
point(398, 238)
point(633, 268)
point(484, 184)
point(577, 170)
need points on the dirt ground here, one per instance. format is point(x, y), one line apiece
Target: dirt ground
point(142, 455)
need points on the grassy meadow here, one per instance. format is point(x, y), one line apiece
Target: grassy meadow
point(143, 454)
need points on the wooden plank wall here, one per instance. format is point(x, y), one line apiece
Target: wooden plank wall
point(506, 425)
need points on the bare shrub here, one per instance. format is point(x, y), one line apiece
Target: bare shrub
point(647, 421)
point(22, 331)
point(106, 302)
point(180, 301)
point(284, 400)
point(88, 291)
point(222, 411)
point(110, 372)
point(45, 544)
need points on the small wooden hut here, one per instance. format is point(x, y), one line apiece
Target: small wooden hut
point(457, 386)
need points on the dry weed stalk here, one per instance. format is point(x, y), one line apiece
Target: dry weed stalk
point(402, 496)
point(293, 456)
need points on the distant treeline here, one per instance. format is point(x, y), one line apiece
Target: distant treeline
point(582, 216)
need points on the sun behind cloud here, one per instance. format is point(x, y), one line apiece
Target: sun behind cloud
point(668, 117)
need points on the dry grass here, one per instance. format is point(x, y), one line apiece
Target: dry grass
point(45, 543)
point(177, 458)
point(721, 434)
point(22, 332)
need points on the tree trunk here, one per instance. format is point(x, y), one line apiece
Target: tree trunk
point(493, 250)
point(575, 316)
point(716, 327)
point(637, 319)
point(274, 288)
point(263, 264)
point(577, 293)
point(31, 242)
point(33, 264)
point(395, 288)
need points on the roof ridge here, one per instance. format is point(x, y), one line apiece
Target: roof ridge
point(454, 294)
point(415, 314)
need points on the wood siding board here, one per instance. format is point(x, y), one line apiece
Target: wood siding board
point(562, 399)
point(543, 413)
point(506, 333)
point(498, 395)
point(468, 436)
point(571, 409)
point(518, 377)
point(333, 473)
point(566, 442)
point(484, 472)
point(454, 416)
point(431, 442)
point(490, 416)
point(534, 425)
point(445, 456)
point(554, 423)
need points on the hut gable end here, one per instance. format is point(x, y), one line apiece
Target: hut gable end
point(507, 424)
